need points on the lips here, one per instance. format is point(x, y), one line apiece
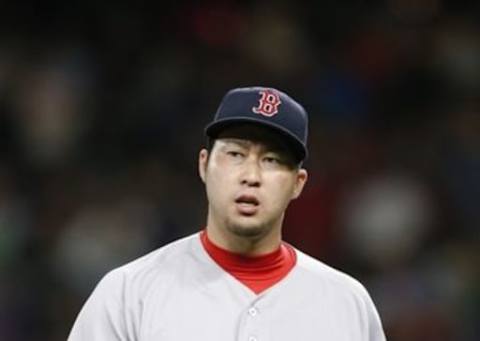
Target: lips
point(247, 199)
point(247, 204)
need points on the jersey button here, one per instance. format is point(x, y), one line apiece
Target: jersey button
point(253, 312)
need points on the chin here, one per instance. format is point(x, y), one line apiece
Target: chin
point(248, 230)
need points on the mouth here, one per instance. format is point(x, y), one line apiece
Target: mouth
point(247, 204)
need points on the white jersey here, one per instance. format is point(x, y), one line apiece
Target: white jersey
point(178, 293)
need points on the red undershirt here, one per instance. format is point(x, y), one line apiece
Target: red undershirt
point(257, 272)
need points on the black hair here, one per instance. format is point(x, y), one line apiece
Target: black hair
point(210, 141)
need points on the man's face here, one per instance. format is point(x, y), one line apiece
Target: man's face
point(250, 177)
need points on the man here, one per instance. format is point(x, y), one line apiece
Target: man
point(236, 279)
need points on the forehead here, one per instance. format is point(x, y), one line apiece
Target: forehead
point(256, 134)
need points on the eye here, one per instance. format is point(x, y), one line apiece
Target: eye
point(272, 160)
point(234, 154)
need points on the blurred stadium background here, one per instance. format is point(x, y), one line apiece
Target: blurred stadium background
point(102, 107)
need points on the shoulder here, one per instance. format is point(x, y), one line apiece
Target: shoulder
point(328, 278)
point(343, 294)
point(120, 296)
point(167, 255)
point(162, 263)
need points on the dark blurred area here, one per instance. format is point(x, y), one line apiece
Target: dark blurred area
point(102, 109)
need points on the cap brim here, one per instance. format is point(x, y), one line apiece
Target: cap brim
point(213, 129)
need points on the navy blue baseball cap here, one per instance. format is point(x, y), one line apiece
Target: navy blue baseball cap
point(268, 107)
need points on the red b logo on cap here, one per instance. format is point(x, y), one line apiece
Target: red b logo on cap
point(268, 103)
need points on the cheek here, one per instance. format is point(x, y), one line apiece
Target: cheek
point(283, 188)
point(217, 183)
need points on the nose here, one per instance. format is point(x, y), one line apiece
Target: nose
point(251, 175)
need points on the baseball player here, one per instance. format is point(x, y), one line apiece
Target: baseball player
point(236, 279)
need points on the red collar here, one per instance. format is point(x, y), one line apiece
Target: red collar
point(258, 272)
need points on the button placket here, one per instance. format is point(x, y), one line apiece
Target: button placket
point(252, 321)
point(254, 324)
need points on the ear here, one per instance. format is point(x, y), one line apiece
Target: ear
point(202, 163)
point(301, 180)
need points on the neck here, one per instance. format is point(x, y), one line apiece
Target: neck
point(243, 244)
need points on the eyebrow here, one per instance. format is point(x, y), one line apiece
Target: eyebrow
point(240, 142)
point(278, 148)
point(269, 147)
